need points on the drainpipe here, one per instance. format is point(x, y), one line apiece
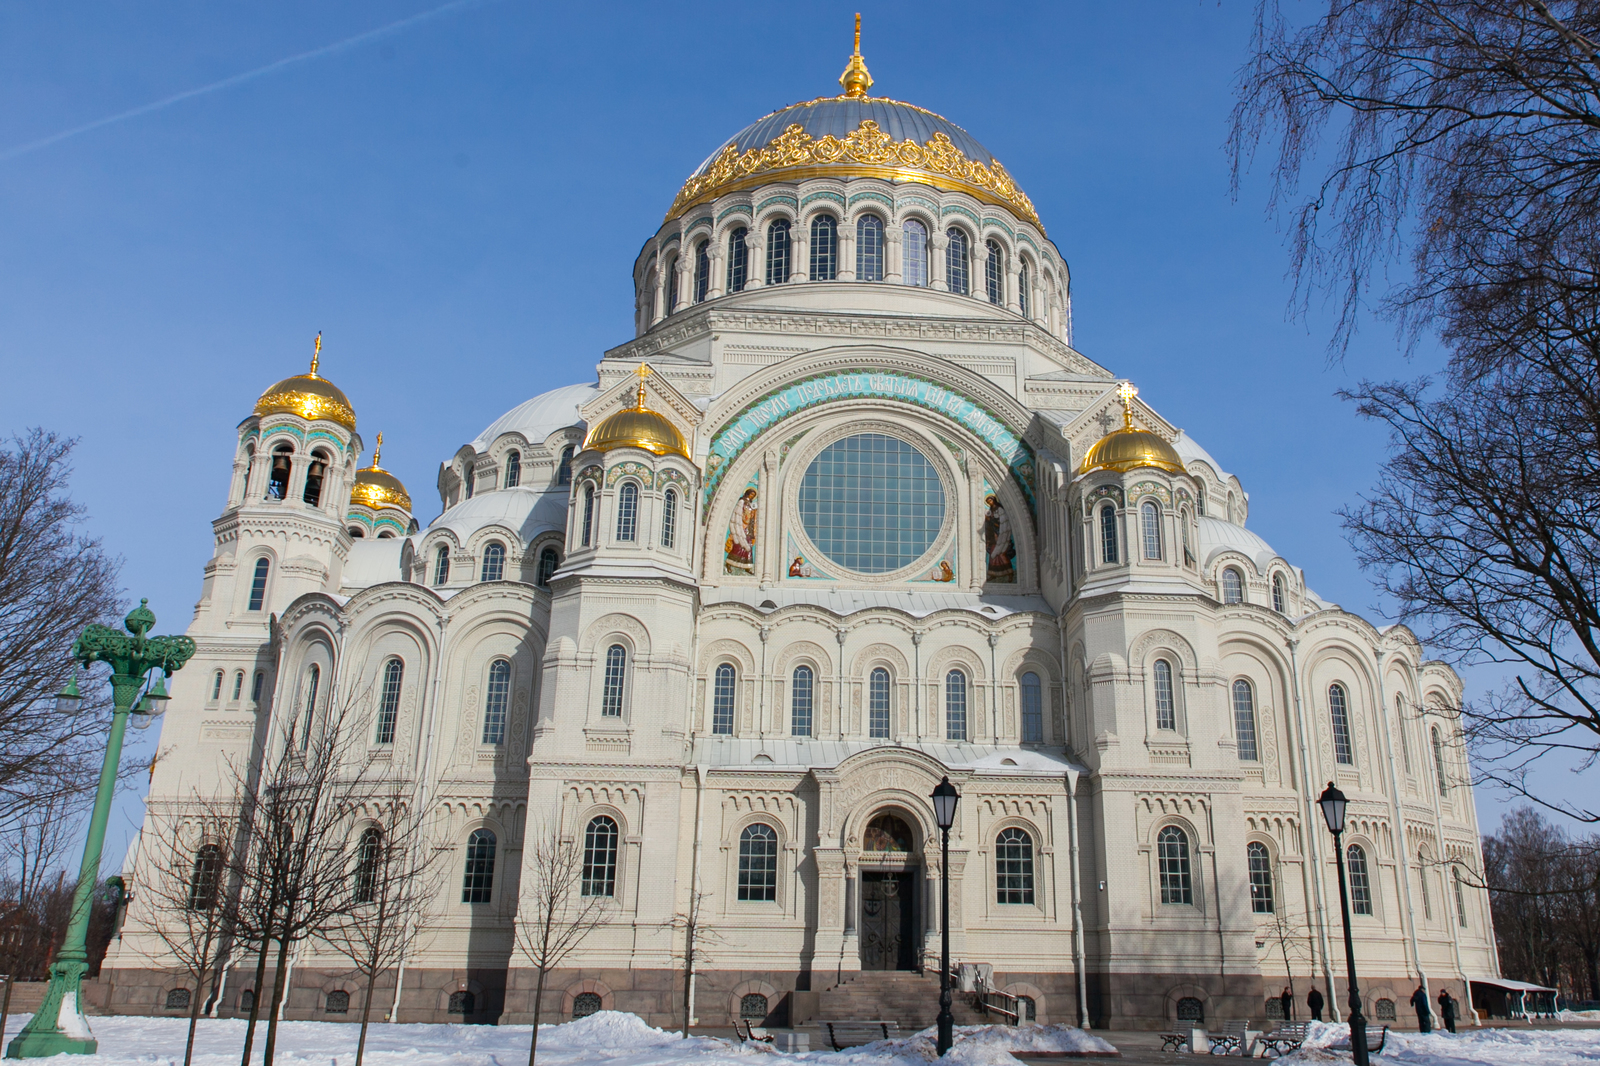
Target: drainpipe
point(1446, 900)
point(422, 799)
point(1400, 826)
point(1313, 869)
point(694, 875)
point(916, 685)
point(1078, 953)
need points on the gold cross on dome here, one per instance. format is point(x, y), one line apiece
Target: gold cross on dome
point(377, 450)
point(644, 371)
point(1125, 393)
point(316, 353)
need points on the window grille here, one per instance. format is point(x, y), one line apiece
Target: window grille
point(1108, 534)
point(204, 877)
point(753, 1007)
point(878, 704)
point(588, 514)
point(369, 853)
point(914, 253)
point(957, 274)
point(1274, 1008)
point(338, 1002)
point(1232, 586)
point(462, 1003)
point(585, 1004)
point(738, 260)
point(1244, 720)
point(258, 584)
point(389, 700)
point(628, 512)
point(1260, 877)
point(1438, 762)
point(1339, 716)
point(1150, 522)
point(1166, 711)
point(1025, 291)
point(247, 1000)
point(722, 700)
point(600, 857)
point(549, 560)
point(1027, 1010)
point(177, 999)
point(869, 248)
point(1032, 709)
point(824, 248)
point(495, 703)
point(702, 270)
point(1190, 1009)
point(1383, 1010)
point(615, 677)
point(778, 267)
point(800, 701)
point(441, 565)
point(1360, 882)
point(758, 863)
point(1013, 866)
point(955, 705)
point(494, 562)
point(1172, 854)
point(477, 881)
point(993, 278)
point(513, 469)
point(669, 518)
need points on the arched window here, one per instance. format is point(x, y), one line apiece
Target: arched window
point(314, 475)
point(1244, 720)
point(1200, 499)
point(256, 685)
point(615, 678)
point(672, 284)
point(247, 1000)
point(600, 857)
point(441, 564)
point(564, 467)
point(628, 512)
point(1383, 1010)
point(669, 517)
point(738, 260)
point(469, 479)
point(914, 253)
point(1438, 762)
point(955, 705)
point(278, 473)
point(204, 878)
point(1032, 709)
point(313, 680)
point(1422, 880)
point(869, 248)
point(356, 532)
point(369, 853)
point(800, 701)
point(216, 686)
point(389, 700)
point(1172, 857)
point(337, 1002)
point(549, 559)
point(177, 999)
point(1260, 860)
point(1280, 601)
point(753, 1007)
point(878, 704)
point(477, 882)
point(588, 514)
point(1025, 291)
point(463, 1002)
point(993, 276)
point(258, 584)
point(1355, 857)
point(513, 469)
point(1108, 534)
point(495, 702)
point(824, 248)
point(758, 863)
point(778, 266)
point(1166, 710)
point(494, 562)
point(702, 270)
point(1013, 866)
point(1461, 899)
point(1232, 586)
point(956, 262)
point(722, 700)
point(1400, 727)
point(585, 1004)
point(1339, 716)
point(1191, 1009)
point(1184, 521)
point(1150, 525)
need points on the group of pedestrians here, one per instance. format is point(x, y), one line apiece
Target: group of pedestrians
point(1419, 1001)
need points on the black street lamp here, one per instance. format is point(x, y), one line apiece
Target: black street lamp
point(1333, 803)
point(945, 798)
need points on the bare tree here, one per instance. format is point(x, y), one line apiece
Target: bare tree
point(35, 895)
point(557, 908)
point(1544, 889)
point(693, 950)
point(54, 581)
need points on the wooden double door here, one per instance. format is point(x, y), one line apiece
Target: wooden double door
point(888, 919)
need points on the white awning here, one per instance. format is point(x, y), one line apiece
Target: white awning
point(1508, 985)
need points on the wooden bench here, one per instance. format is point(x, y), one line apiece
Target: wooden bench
point(1285, 1038)
point(1374, 1042)
point(1174, 1041)
point(854, 1034)
point(1231, 1040)
point(747, 1031)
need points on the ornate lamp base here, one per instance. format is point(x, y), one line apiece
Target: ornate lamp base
point(59, 1027)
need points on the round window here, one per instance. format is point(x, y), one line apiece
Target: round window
point(871, 503)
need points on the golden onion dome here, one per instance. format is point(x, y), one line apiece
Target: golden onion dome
point(637, 427)
point(313, 398)
point(376, 488)
point(1129, 448)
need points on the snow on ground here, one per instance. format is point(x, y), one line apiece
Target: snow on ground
point(1469, 1047)
point(609, 1038)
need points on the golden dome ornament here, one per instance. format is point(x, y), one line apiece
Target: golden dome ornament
point(637, 427)
point(855, 80)
point(1129, 448)
point(313, 398)
point(376, 488)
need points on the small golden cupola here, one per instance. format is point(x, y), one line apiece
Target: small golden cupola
point(313, 398)
point(376, 488)
point(1129, 448)
point(855, 80)
point(637, 427)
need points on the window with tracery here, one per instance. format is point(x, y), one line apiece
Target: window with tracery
point(758, 863)
point(824, 248)
point(738, 260)
point(513, 469)
point(802, 687)
point(477, 880)
point(778, 252)
point(1108, 534)
point(955, 705)
point(1244, 720)
point(1260, 862)
point(1150, 524)
point(441, 564)
point(494, 562)
point(957, 268)
point(588, 515)
point(914, 253)
point(389, 700)
point(496, 702)
point(1339, 718)
point(702, 270)
point(615, 679)
point(628, 512)
point(869, 248)
point(1025, 291)
point(1032, 709)
point(600, 857)
point(669, 517)
point(1360, 879)
point(994, 273)
point(1232, 586)
point(1013, 866)
point(722, 700)
point(258, 584)
point(1172, 858)
point(1166, 709)
point(878, 704)
point(549, 560)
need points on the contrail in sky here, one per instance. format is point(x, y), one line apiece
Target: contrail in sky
point(237, 79)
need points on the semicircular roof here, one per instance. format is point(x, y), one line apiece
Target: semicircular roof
point(541, 416)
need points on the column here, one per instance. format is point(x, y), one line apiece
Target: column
point(685, 278)
point(847, 252)
point(717, 253)
point(894, 264)
point(800, 251)
point(1013, 300)
point(937, 278)
point(658, 295)
point(755, 258)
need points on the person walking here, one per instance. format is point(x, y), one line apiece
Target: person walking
point(1447, 1009)
point(1287, 999)
point(1314, 1001)
point(1419, 1000)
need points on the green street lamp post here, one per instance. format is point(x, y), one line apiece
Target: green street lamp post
point(1333, 803)
point(59, 1026)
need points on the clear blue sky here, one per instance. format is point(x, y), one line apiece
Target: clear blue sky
point(458, 203)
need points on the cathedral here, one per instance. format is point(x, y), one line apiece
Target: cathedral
point(848, 515)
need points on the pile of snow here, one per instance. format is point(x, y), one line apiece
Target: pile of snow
point(979, 1045)
point(613, 1030)
point(1474, 1047)
point(1579, 1015)
point(1042, 1038)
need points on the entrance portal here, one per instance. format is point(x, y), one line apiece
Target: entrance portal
point(888, 920)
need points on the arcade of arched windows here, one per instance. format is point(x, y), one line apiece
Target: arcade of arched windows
point(510, 461)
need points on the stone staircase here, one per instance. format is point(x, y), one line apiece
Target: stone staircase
point(912, 999)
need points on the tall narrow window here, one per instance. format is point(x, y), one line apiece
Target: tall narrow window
point(1339, 717)
point(914, 253)
point(313, 680)
point(1166, 712)
point(1422, 881)
point(216, 686)
point(204, 878)
point(1025, 291)
point(1260, 877)
point(564, 467)
point(1360, 880)
point(1244, 720)
point(824, 248)
point(1438, 762)
point(1108, 534)
point(672, 284)
point(758, 863)
point(1461, 899)
point(802, 687)
point(1405, 735)
point(496, 702)
point(993, 273)
point(738, 260)
point(722, 689)
point(600, 857)
point(956, 262)
point(314, 475)
point(1232, 586)
point(441, 564)
point(878, 704)
point(1280, 601)
point(778, 267)
point(702, 270)
point(494, 562)
point(615, 678)
point(469, 480)
point(256, 686)
point(1172, 858)
point(549, 559)
point(955, 705)
point(369, 854)
point(1183, 528)
point(1150, 526)
point(1013, 866)
point(869, 248)
point(477, 881)
point(389, 700)
point(1032, 709)
point(628, 512)
point(669, 517)
point(588, 515)
point(258, 584)
point(513, 469)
